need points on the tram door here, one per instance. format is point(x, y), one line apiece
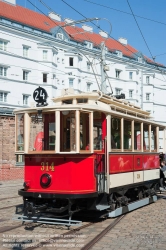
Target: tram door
point(99, 135)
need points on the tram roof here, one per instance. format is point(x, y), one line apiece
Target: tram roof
point(115, 104)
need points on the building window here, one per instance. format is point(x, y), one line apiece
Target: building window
point(58, 59)
point(130, 75)
point(88, 87)
point(117, 91)
point(147, 79)
point(117, 73)
point(59, 36)
point(44, 77)
point(44, 54)
point(88, 66)
point(71, 80)
point(71, 61)
point(25, 75)
point(63, 61)
point(89, 45)
point(25, 51)
point(3, 71)
point(3, 96)
point(147, 96)
point(25, 99)
point(131, 93)
point(3, 45)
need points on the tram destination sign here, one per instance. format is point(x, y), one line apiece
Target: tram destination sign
point(40, 96)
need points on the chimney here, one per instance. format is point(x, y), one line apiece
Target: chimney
point(10, 1)
point(54, 16)
point(68, 20)
point(87, 28)
point(103, 34)
point(123, 40)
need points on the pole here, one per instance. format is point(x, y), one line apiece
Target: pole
point(103, 78)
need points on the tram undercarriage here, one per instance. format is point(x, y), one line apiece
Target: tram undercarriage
point(67, 207)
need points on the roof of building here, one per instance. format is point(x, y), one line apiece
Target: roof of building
point(42, 22)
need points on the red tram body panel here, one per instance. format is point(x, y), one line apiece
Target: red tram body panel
point(70, 174)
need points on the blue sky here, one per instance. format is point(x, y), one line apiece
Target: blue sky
point(145, 35)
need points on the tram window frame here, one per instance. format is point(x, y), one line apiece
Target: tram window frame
point(127, 136)
point(68, 131)
point(153, 129)
point(146, 146)
point(137, 137)
point(42, 143)
point(114, 127)
point(97, 135)
point(87, 144)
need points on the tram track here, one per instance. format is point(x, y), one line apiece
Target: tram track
point(75, 231)
point(8, 198)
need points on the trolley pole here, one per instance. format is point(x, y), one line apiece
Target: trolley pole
point(103, 78)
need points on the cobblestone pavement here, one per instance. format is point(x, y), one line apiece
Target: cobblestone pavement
point(141, 229)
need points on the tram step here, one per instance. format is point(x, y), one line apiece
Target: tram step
point(102, 207)
point(47, 220)
point(132, 206)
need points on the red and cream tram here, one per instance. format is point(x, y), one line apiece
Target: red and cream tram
point(87, 151)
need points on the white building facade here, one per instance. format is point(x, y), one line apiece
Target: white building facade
point(31, 57)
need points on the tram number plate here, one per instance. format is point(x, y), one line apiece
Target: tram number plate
point(45, 166)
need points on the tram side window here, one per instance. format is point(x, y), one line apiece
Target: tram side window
point(97, 131)
point(153, 138)
point(146, 136)
point(20, 132)
point(115, 133)
point(68, 131)
point(84, 131)
point(127, 143)
point(137, 135)
point(42, 132)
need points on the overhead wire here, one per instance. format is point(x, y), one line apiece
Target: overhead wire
point(152, 20)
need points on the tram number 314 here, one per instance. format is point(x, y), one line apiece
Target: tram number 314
point(45, 166)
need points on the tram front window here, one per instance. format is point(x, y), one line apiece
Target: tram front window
point(42, 132)
point(68, 131)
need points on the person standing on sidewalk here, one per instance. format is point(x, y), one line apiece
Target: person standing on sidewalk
point(162, 176)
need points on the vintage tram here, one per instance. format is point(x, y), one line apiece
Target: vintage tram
point(87, 151)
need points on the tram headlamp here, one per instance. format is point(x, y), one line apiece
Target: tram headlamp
point(45, 180)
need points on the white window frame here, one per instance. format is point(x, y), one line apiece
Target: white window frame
point(3, 45)
point(117, 73)
point(45, 55)
point(88, 84)
point(147, 96)
point(117, 91)
point(88, 66)
point(25, 75)
point(71, 82)
point(60, 36)
point(130, 93)
point(3, 71)
point(130, 75)
point(25, 51)
point(147, 79)
point(3, 96)
point(25, 99)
